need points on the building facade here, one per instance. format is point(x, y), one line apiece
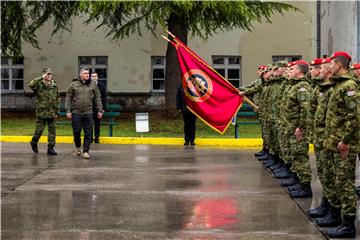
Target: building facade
point(134, 68)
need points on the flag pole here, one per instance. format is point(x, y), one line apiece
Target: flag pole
point(256, 108)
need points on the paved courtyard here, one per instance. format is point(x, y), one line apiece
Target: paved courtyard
point(146, 192)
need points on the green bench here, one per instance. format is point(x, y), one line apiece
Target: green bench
point(108, 118)
point(245, 111)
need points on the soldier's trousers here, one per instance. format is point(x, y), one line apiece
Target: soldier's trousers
point(340, 175)
point(300, 159)
point(40, 126)
point(97, 123)
point(285, 147)
point(80, 122)
point(189, 126)
point(271, 133)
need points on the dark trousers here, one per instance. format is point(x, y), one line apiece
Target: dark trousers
point(96, 131)
point(40, 126)
point(80, 122)
point(189, 126)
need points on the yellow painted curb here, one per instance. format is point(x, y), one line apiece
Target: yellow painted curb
point(226, 142)
point(242, 143)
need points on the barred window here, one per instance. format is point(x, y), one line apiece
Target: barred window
point(12, 74)
point(158, 65)
point(229, 67)
point(96, 64)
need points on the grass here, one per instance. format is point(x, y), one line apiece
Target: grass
point(24, 124)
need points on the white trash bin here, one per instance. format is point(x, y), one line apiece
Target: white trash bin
point(142, 122)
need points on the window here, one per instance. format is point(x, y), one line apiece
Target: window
point(97, 64)
point(158, 64)
point(12, 74)
point(229, 67)
point(286, 58)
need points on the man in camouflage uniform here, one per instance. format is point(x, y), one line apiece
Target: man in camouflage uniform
point(342, 144)
point(295, 114)
point(253, 90)
point(47, 107)
point(79, 107)
point(316, 123)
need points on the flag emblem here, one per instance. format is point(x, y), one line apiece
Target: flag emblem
point(197, 85)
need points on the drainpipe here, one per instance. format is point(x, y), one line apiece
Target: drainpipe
point(318, 28)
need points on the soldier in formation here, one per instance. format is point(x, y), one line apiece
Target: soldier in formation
point(319, 103)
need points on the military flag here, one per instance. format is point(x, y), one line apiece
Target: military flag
point(207, 94)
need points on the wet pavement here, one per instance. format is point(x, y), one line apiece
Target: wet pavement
point(146, 192)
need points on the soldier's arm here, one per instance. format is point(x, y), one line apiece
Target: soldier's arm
point(34, 84)
point(352, 99)
point(311, 112)
point(69, 95)
point(97, 96)
point(303, 97)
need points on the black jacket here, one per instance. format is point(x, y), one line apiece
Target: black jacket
point(103, 93)
point(180, 99)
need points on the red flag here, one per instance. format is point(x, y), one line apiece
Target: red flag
point(207, 94)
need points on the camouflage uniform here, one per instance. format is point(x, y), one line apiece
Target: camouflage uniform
point(253, 90)
point(47, 107)
point(295, 111)
point(263, 112)
point(342, 124)
point(316, 120)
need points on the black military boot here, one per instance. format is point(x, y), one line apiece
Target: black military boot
point(358, 190)
point(279, 165)
point(303, 192)
point(331, 219)
point(321, 210)
point(34, 147)
point(262, 152)
point(51, 151)
point(283, 175)
point(345, 230)
point(294, 187)
point(264, 157)
point(289, 182)
point(279, 170)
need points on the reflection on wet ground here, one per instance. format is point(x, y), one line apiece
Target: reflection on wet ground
point(145, 192)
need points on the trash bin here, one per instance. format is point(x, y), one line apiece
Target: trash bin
point(142, 122)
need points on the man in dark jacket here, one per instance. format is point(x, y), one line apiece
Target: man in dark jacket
point(188, 116)
point(102, 89)
point(79, 107)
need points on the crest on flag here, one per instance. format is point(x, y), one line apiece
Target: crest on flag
point(197, 85)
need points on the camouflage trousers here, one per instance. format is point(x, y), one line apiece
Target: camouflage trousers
point(319, 158)
point(263, 134)
point(40, 126)
point(339, 177)
point(300, 159)
point(271, 133)
point(284, 146)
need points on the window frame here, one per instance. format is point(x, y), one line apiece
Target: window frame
point(226, 66)
point(286, 58)
point(152, 75)
point(11, 66)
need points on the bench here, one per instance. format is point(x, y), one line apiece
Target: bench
point(245, 111)
point(108, 118)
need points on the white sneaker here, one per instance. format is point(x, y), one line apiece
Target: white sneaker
point(86, 155)
point(78, 152)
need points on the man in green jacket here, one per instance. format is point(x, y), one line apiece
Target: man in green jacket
point(79, 108)
point(342, 142)
point(47, 107)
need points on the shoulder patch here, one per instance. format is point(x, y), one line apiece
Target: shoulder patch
point(350, 93)
point(321, 94)
point(302, 89)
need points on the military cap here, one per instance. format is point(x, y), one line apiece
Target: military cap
point(343, 54)
point(355, 66)
point(326, 60)
point(46, 71)
point(300, 62)
point(280, 64)
point(262, 67)
point(290, 64)
point(316, 61)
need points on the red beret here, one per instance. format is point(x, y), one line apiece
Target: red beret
point(262, 67)
point(343, 54)
point(300, 62)
point(316, 61)
point(326, 60)
point(290, 64)
point(355, 66)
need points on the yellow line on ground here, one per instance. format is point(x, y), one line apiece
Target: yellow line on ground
point(226, 142)
point(243, 143)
